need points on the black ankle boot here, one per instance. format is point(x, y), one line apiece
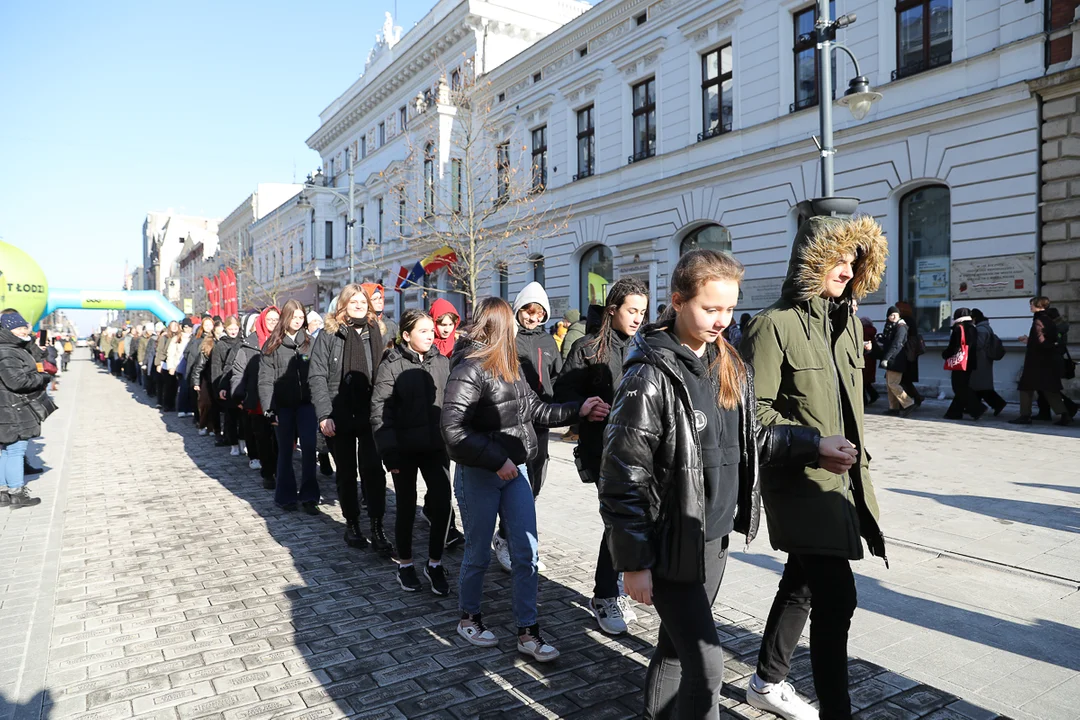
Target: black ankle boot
point(354, 538)
point(379, 540)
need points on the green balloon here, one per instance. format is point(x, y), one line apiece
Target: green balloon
point(22, 283)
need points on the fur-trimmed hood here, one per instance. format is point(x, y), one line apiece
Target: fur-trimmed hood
point(818, 247)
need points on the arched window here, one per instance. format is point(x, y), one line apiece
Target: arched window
point(707, 237)
point(596, 274)
point(539, 272)
point(429, 180)
point(925, 256)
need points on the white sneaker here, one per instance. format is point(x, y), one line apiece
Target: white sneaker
point(779, 699)
point(476, 633)
point(609, 615)
point(180, 414)
point(627, 609)
point(540, 566)
point(255, 465)
point(502, 551)
point(203, 432)
point(235, 452)
point(535, 646)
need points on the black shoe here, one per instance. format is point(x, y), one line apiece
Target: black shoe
point(436, 574)
point(406, 577)
point(324, 465)
point(5, 497)
point(379, 541)
point(21, 498)
point(947, 416)
point(976, 416)
point(999, 410)
point(289, 507)
point(311, 508)
point(893, 412)
point(905, 412)
point(1022, 420)
point(29, 469)
point(454, 537)
point(353, 537)
point(269, 483)
point(1063, 421)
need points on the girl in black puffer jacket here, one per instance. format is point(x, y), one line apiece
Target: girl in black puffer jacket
point(406, 405)
point(680, 472)
point(343, 365)
point(24, 404)
point(487, 424)
point(284, 395)
point(221, 361)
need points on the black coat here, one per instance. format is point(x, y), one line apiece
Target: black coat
point(406, 404)
point(893, 342)
point(971, 338)
point(540, 359)
point(584, 376)
point(327, 372)
point(1043, 358)
point(244, 375)
point(199, 366)
point(191, 354)
point(221, 363)
point(652, 494)
point(487, 420)
point(23, 400)
point(283, 374)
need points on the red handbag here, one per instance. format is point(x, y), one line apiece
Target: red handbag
point(49, 367)
point(959, 361)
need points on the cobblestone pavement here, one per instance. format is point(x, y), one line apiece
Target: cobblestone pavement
point(158, 580)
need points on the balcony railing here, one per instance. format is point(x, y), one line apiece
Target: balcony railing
point(720, 129)
point(642, 155)
point(586, 173)
point(921, 66)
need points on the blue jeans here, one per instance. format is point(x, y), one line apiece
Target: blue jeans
point(183, 395)
point(482, 498)
point(11, 460)
point(293, 423)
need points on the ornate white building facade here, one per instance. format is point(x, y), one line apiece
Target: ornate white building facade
point(666, 124)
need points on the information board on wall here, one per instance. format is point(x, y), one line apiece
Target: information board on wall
point(1005, 276)
point(760, 292)
point(559, 306)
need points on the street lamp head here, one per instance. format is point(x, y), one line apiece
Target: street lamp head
point(859, 97)
point(302, 202)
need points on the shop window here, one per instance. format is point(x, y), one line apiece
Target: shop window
point(925, 256)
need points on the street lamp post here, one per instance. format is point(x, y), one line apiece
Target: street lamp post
point(858, 98)
point(348, 200)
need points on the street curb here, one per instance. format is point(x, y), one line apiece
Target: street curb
point(1047, 578)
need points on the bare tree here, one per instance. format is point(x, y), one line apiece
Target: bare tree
point(474, 188)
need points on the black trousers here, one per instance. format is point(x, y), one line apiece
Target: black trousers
point(355, 453)
point(230, 417)
point(687, 667)
point(964, 398)
point(262, 444)
point(168, 391)
point(821, 588)
point(435, 468)
point(605, 578)
point(991, 398)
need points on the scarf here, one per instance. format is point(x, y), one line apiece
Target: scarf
point(359, 361)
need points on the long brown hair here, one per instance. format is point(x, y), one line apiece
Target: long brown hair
point(493, 328)
point(616, 296)
point(341, 310)
point(693, 270)
point(278, 335)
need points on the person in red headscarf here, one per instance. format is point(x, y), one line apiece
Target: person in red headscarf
point(255, 428)
point(377, 299)
point(447, 320)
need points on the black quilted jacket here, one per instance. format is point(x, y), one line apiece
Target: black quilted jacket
point(486, 420)
point(652, 496)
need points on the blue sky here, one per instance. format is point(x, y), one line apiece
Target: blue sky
point(112, 109)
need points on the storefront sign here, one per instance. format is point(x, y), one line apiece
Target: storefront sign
point(760, 292)
point(559, 306)
point(1005, 276)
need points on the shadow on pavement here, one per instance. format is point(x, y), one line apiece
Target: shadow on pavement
point(39, 706)
point(1063, 488)
point(1054, 517)
point(1044, 640)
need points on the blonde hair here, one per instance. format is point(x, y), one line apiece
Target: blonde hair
point(341, 310)
point(695, 269)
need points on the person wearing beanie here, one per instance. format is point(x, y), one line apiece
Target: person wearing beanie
point(575, 331)
point(894, 360)
point(315, 327)
point(962, 341)
point(24, 403)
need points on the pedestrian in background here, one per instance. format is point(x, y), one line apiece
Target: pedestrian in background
point(488, 416)
point(286, 399)
point(595, 368)
point(960, 360)
point(916, 348)
point(406, 407)
point(177, 363)
point(575, 330)
point(1042, 365)
point(894, 360)
point(260, 437)
point(680, 473)
point(387, 327)
point(988, 350)
point(343, 365)
point(447, 320)
point(221, 363)
point(201, 384)
point(24, 404)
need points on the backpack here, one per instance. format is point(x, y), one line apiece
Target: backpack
point(995, 350)
point(915, 345)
